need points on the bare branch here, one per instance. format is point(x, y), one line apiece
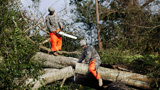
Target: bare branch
point(63, 82)
point(15, 23)
point(45, 41)
point(147, 2)
point(142, 26)
point(21, 12)
point(37, 31)
point(32, 27)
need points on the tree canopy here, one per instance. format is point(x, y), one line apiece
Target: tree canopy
point(126, 24)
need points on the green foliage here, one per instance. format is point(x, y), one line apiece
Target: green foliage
point(148, 65)
point(143, 64)
point(17, 51)
point(123, 23)
point(117, 56)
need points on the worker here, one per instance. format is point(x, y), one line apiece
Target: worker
point(54, 25)
point(91, 58)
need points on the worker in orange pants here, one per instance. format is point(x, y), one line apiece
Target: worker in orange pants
point(54, 25)
point(92, 69)
point(56, 41)
point(92, 58)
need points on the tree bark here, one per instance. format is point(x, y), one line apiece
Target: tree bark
point(129, 78)
point(54, 61)
point(51, 76)
point(132, 79)
point(98, 28)
point(146, 3)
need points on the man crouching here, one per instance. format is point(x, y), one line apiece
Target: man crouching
point(92, 58)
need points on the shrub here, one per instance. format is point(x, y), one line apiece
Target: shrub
point(17, 51)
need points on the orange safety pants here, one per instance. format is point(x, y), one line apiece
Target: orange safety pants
point(56, 41)
point(93, 70)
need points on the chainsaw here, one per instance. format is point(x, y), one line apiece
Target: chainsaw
point(66, 35)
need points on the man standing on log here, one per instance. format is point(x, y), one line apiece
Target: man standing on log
point(92, 58)
point(54, 25)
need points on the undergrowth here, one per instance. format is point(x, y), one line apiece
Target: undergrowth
point(147, 64)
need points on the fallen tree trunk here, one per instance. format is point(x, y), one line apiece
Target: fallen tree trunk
point(51, 76)
point(54, 61)
point(31, 81)
point(132, 79)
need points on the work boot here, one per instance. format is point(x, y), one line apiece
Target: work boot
point(55, 53)
point(59, 52)
point(100, 82)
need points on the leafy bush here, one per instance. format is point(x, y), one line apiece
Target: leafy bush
point(116, 56)
point(15, 48)
point(17, 51)
point(146, 64)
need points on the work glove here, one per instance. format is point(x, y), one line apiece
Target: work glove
point(54, 31)
point(61, 28)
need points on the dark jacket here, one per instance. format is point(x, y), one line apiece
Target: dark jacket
point(89, 54)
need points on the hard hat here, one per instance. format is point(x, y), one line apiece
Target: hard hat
point(83, 42)
point(51, 9)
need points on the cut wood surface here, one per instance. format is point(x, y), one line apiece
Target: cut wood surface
point(51, 76)
point(133, 79)
point(54, 61)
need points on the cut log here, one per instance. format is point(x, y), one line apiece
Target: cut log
point(31, 81)
point(51, 76)
point(128, 78)
point(54, 61)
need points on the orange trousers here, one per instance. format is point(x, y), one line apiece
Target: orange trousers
point(93, 70)
point(56, 41)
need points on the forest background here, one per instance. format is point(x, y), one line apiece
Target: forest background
point(129, 31)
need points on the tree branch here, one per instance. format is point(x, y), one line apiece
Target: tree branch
point(147, 2)
point(141, 26)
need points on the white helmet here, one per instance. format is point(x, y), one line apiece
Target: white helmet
point(51, 9)
point(83, 42)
